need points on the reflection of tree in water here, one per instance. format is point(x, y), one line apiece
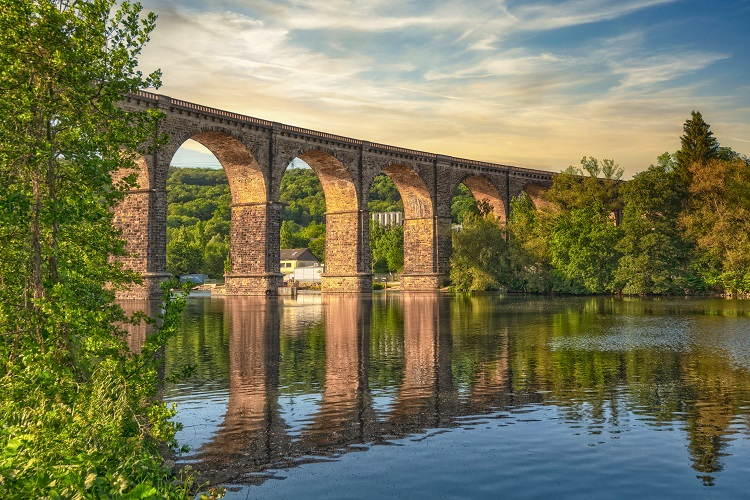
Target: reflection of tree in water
point(449, 358)
point(595, 382)
point(712, 382)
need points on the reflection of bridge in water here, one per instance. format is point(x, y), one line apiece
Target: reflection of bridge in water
point(320, 375)
point(254, 437)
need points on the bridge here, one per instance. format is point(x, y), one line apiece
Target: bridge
point(255, 153)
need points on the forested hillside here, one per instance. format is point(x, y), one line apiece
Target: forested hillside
point(198, 218)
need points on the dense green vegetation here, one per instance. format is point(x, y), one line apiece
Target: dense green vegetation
point(683, 229)
point(198, 218)
point(79, 412)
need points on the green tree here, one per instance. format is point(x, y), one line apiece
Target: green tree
point(698, 145)
point(528, 250)
point(315, 233)
point(303, 194)
point(572, 188)
point(387, 248)
point(717, 220)
point(462, 204)
point(384, 195)
point(583, 250)
point(570, 246)
point(78, 408)
point(290, 236)
point(656, 257)
point(184, 251)
point(478, 261)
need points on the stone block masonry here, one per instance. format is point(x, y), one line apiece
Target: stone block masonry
point(255, 154)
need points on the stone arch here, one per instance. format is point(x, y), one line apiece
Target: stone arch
point(419, 229)
point(347, 258)
point(484, 189)
point(535, 191)
point(254, 271)
point(247, 181)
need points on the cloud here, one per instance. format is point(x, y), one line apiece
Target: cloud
point(451, 77)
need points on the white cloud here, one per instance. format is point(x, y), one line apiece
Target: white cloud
point(450, 77)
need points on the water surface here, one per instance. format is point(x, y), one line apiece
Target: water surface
point(426, 395)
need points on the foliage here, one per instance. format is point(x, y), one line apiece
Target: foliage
point(528, 247)
point(479, 260)
point(572, 188)
point(463, 204)
point(656, 256)
point(718, 220)
point(387, 247)
point(582, 247)
point(79, 410)
point(303, 194)
point(198, 220)
point(185, 250)
point(384, 196)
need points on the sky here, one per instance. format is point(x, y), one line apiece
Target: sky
point(531, 83)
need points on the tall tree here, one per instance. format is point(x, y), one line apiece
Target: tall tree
point(78, 410)
point(698, 145)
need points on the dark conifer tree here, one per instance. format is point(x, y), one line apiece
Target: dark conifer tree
point(698, 144)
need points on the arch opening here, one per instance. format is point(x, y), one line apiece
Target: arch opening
point(198, 214)
point(302, 235)
point(386, 208)
point(417, 252)
point(218, 215)
point(346, 259)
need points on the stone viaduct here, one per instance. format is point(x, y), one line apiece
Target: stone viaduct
point(255, 153)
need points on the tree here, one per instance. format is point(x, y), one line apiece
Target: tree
point(462, 204)
point(387, 248)
point(583, 250)
point(528, 246)
point(698, 145)
point(580, 228)
point(572, 188)
point(478, 261)
point(656, 257)
point(290, 237)
point(78, 408)
point(384, 195)
point(303, 194)
point(717, 220)
point(184, 252)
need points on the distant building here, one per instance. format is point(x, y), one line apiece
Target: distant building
point(292, 258)
point(388, 218)
point(311, 274)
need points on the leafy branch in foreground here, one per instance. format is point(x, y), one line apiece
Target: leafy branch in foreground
point(78, 409)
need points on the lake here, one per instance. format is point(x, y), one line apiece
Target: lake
point(465, 396)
